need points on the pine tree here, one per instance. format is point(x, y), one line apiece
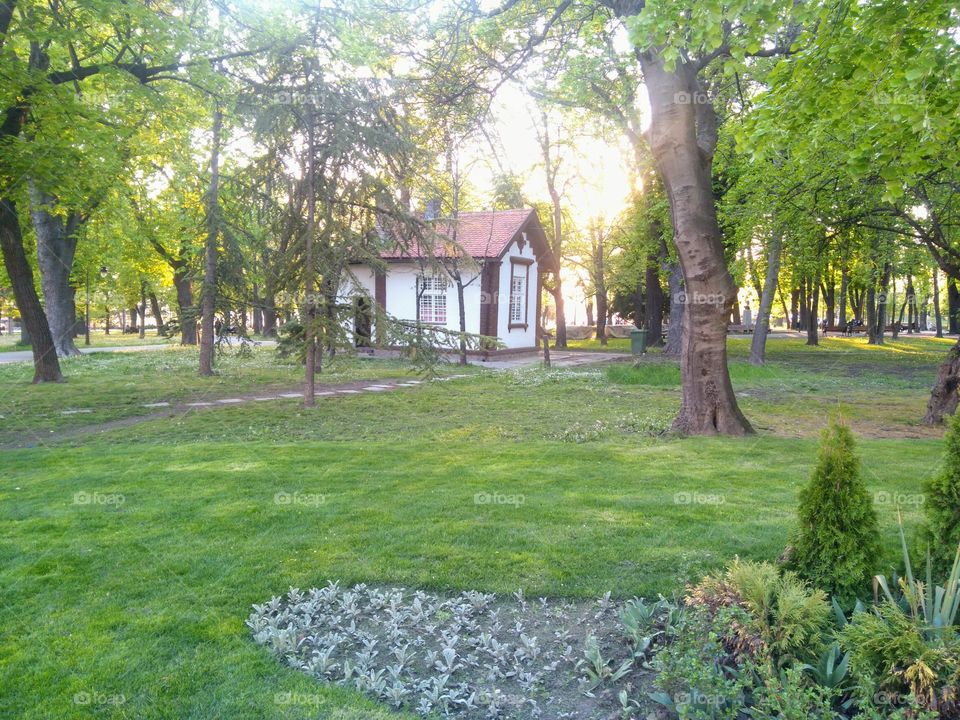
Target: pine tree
point(941, 530)
point(837, 541)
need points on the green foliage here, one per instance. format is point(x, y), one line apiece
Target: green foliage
point(695, 675)
point(934, 608)
point(789, 696)
point(893, 663)
point(789, 619)
point(837, 540)
point(941, 531)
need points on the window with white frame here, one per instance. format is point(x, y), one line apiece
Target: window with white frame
point(433, 299)
point(518, 294)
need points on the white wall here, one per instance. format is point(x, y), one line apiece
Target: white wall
point(401, 286)
point(518, 337)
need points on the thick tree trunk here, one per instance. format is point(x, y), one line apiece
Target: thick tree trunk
point(943, 397)
point(674, 344)
point(46, 367)
point(758, 345)
point(589, 307)
point(209, 300)
point(682, 139)
point(56, 248)
point(936, 302)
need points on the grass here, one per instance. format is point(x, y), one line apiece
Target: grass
point(104, 387)
point(10, 343)
point(146, 598)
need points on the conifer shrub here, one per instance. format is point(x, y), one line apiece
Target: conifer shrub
point(941, 530)
point(837, 540)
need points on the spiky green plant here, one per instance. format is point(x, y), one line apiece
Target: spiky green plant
point(837, 539)
point(941, 529)
point(934, 608)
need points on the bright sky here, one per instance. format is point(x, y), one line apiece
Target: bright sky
point(594, 171)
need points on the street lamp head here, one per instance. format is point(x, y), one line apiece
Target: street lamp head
point(103, 271)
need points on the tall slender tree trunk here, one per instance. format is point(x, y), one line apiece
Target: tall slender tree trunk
point(654, 304)
point(142, 309)
point(186, 312)
point(674, 344)
point(953, 306)
point(813, 315)
point(309, 273)
point(936, 302)
point(682, 139)
point(844, 281)
point(157, 314)
point(257, 311)
point(56, 249)
point(46, 366)
point(758, 345)
point(209, 300)
point(462, 317)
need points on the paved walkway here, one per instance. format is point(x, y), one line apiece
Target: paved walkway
point(558, 359)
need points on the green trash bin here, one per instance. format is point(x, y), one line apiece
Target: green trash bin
point(638, 341)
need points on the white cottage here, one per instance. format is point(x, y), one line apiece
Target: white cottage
point(509, 254)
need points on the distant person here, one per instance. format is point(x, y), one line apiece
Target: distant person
point(747, 317)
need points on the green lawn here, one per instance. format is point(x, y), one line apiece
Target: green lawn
point(9, 343)
point(128, 562)
point(103, 387)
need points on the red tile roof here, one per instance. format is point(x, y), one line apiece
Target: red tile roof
point(484, 234)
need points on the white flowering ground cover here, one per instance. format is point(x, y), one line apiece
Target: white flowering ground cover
point(473, 655)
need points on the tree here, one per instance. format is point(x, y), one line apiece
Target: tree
point(941, 508)
point(837, 539)
point(209, 297)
